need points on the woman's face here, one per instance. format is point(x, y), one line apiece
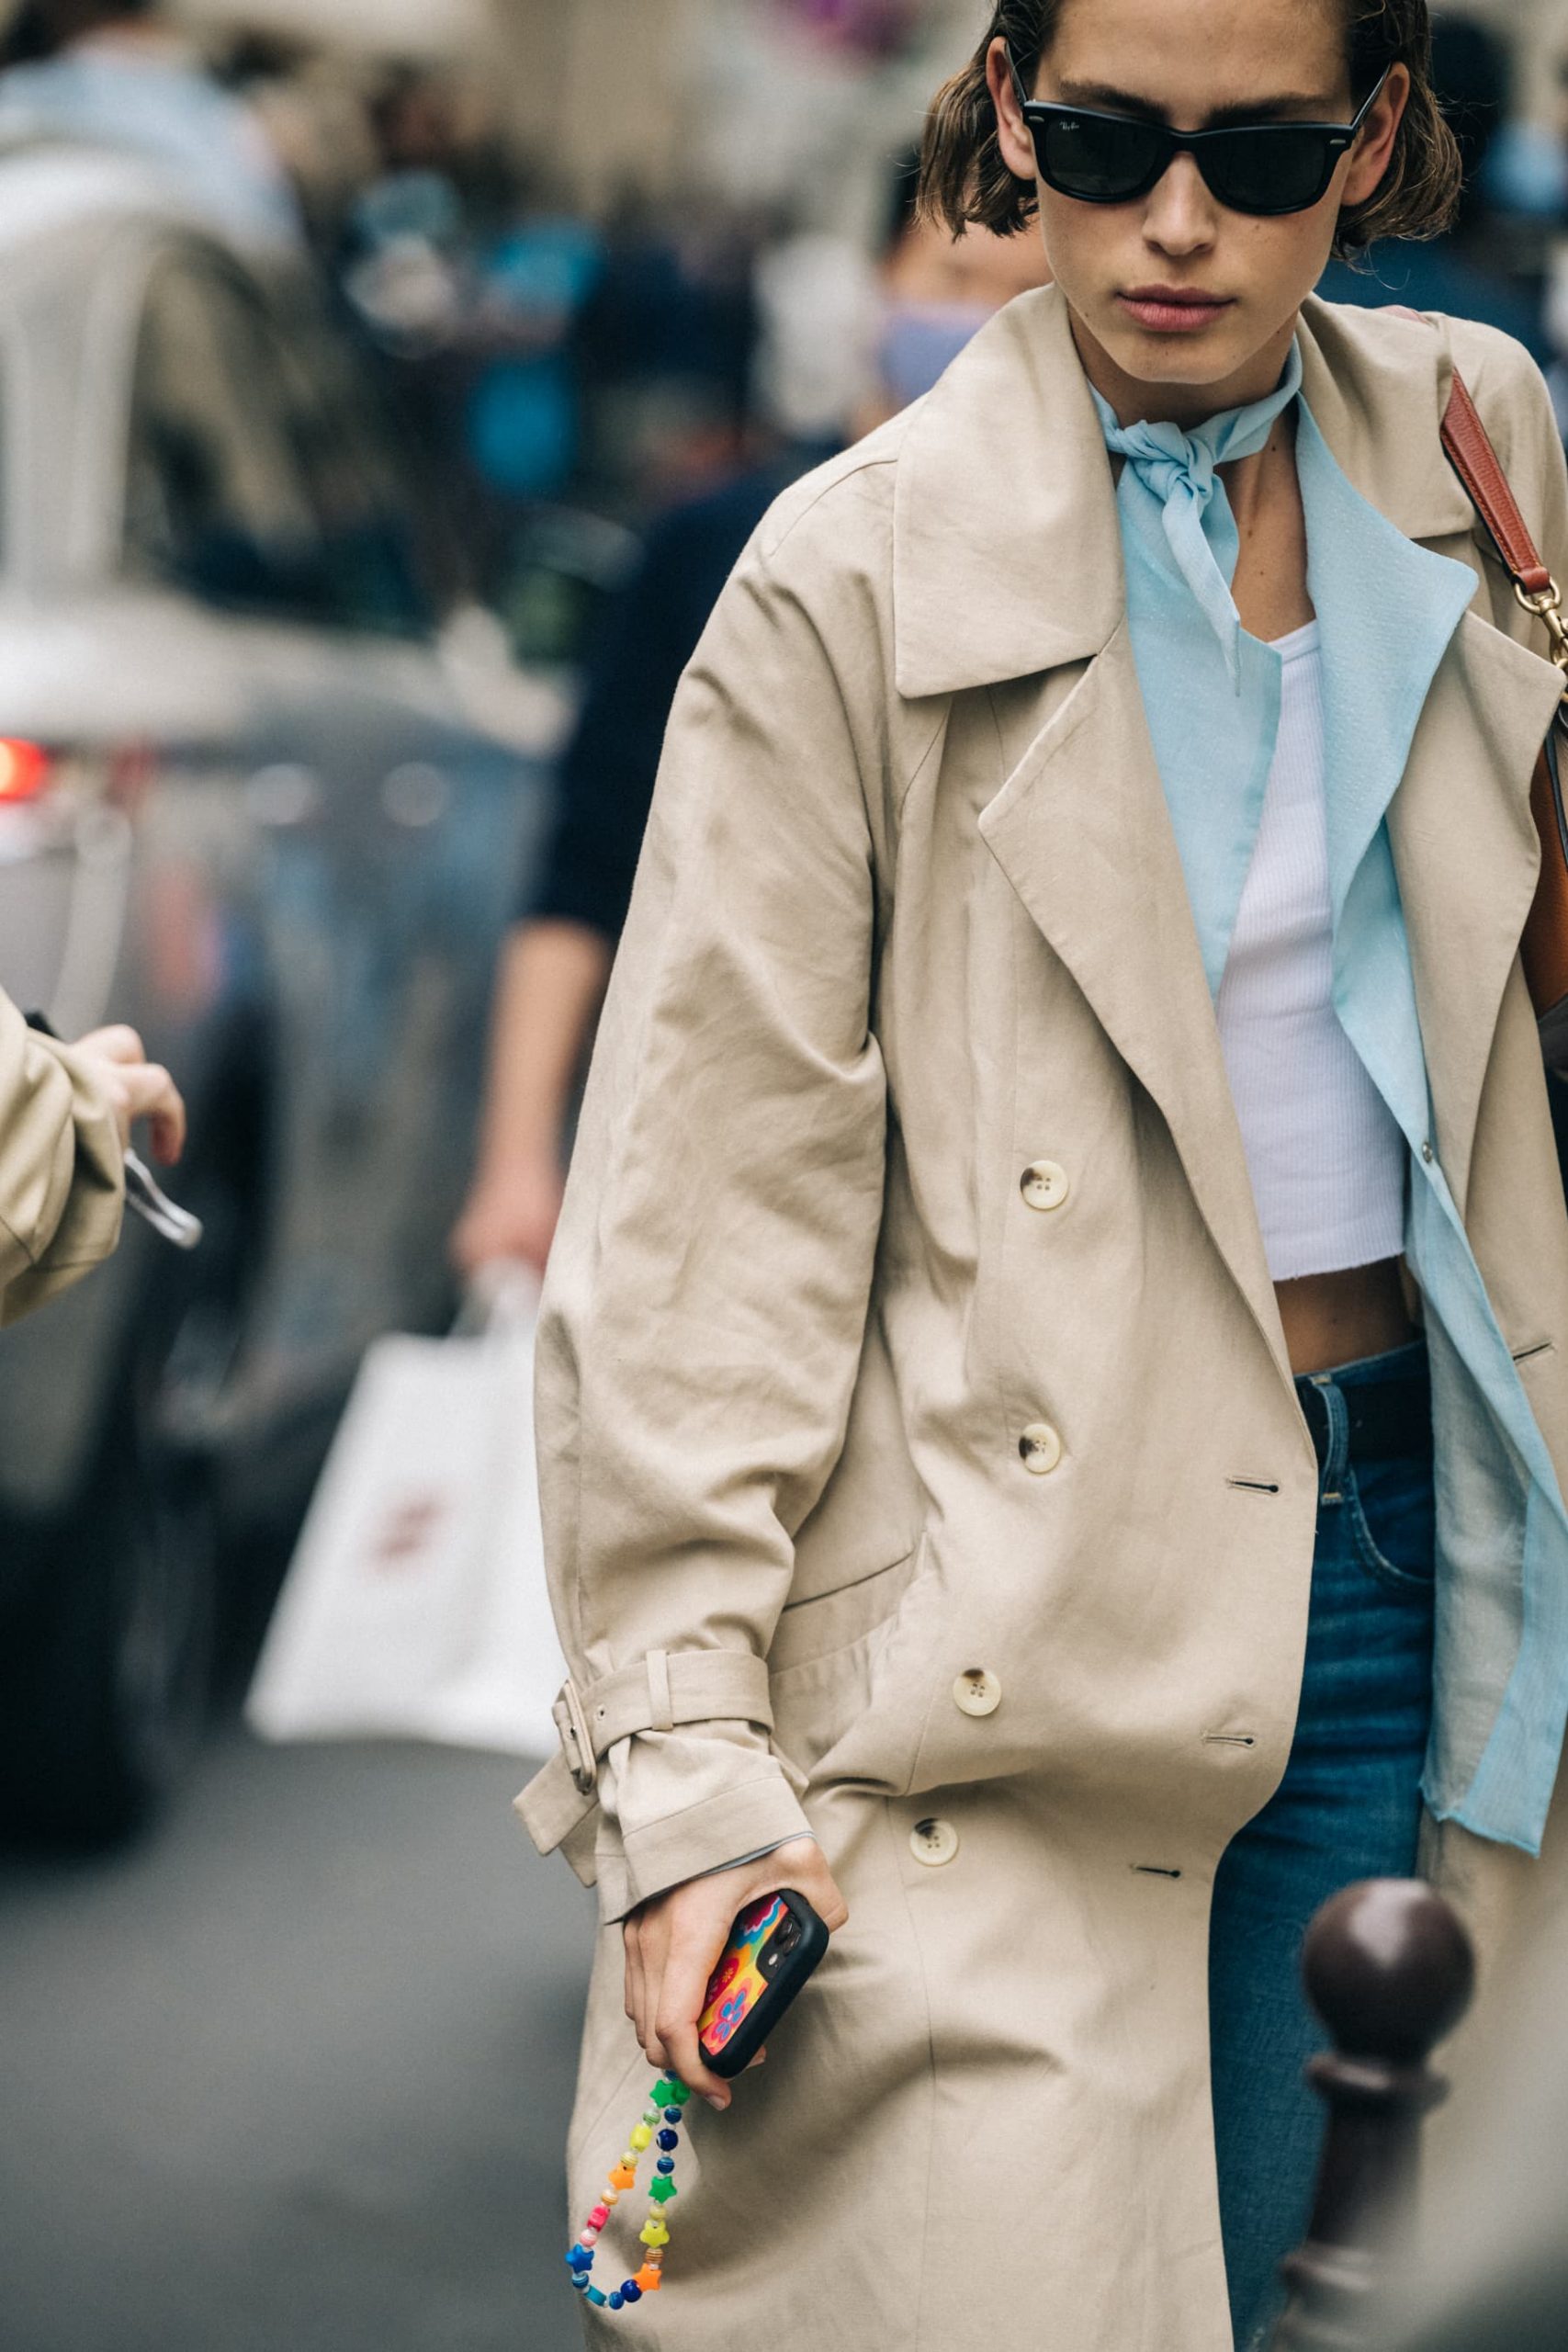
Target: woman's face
point(1240, 280)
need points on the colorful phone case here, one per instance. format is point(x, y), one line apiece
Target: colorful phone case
point(773, 1946)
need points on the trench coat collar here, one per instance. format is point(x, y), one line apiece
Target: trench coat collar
point(1004, 469)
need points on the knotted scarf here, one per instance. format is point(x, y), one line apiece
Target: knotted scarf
point(1211, 692)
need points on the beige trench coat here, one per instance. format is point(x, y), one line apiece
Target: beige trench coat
point(1001, 1472)
point(61, 1170)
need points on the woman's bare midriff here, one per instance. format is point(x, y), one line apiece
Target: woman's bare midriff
point(1333, 1319)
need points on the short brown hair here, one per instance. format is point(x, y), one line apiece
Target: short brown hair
point(964, 179)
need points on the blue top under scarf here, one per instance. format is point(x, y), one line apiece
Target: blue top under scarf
point(1210, 691)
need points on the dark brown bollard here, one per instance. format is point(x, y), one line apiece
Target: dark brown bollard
point(1390, 1971)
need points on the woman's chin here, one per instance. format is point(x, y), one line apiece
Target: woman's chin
point(1206, 356)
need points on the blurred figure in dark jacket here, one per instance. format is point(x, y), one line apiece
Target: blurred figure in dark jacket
point(558, 960)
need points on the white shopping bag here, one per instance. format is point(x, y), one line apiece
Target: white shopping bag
point(415, 1604)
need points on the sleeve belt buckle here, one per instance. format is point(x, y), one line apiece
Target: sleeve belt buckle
point(577, 1744)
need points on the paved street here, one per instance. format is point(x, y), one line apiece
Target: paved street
point(293, 2077)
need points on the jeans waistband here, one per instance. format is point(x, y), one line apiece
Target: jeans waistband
point(1376, 1409)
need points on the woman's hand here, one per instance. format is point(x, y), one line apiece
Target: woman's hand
point(135, 1089)
point(673, 1943)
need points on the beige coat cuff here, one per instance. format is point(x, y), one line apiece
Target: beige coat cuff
point(737, 1817)
point(62, 1169)
point(664, 1772)
point(748, 1802)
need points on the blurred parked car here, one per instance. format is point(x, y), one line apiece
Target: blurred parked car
point(262, 797)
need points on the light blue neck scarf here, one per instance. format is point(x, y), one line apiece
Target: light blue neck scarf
point(1211, 692)
point(1172, 475)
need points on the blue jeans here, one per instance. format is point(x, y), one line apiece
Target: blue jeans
point(1349, 1808)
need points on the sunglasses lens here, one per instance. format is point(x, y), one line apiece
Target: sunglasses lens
point(1277, 168)
point(1101, 159)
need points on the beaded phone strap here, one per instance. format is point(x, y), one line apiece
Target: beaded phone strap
point(660, 2128)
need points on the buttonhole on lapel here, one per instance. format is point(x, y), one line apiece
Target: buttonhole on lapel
point(1230, 1739)
point(1154, 1869)
point(1255, 1485)
point(1542, 1348)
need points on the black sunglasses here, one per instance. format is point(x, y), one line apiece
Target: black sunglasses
point(1265, 168)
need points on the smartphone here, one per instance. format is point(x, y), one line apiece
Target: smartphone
point(773, 1946)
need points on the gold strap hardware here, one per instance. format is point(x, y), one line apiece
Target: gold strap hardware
point(1546, 604)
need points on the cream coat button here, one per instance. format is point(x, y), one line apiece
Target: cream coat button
point(1045, 1185)
point(933, 1843)
point(977, 1692)
point(1041, 1449)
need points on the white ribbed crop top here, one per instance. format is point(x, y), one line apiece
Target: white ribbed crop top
point(1325, 1155)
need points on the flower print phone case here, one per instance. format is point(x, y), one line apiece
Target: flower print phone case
point(773, 1946)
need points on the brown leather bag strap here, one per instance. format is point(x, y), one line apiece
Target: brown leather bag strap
point(1468, 448)
point(1478, 466)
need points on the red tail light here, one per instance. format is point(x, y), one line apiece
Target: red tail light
point(24, 770)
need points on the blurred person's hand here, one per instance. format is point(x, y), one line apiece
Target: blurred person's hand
point(550, 983)
point(136, 1089)
point(674, 1941)
point(511, 1214)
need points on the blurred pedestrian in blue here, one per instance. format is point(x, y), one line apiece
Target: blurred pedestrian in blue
point(1463, 274)
point(537, 274)
point(109, 73)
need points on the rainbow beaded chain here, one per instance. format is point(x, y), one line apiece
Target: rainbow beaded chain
point(660, 2127)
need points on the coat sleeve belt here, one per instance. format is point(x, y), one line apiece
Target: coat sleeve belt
point(659, 1692)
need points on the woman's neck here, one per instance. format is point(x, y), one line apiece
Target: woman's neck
point(1138, 402)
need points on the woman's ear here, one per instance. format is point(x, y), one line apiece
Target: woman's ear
point(1012, 132)
point(1372, 154)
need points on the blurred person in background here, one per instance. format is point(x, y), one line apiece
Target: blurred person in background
point(1052, 1407)
point(664, 346)
point(537, 264)
point(66, 1114)
point(936, 291)
point(1557, 272)
point(314, 113)
point(471, 282)
point(113, 72)
point(1464, 272)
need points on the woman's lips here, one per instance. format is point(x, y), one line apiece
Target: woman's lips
point(1173, 310)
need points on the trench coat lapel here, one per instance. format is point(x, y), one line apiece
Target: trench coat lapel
point(1083, 833)
point(1464, 844)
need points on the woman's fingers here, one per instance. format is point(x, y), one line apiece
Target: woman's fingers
point(118, 1043)
point(157, 1099)
point(644, 1937)
point(137, 1089)
point(691, 1960)
point(631, 1940)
